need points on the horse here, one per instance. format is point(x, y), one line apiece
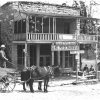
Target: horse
point(37, 73)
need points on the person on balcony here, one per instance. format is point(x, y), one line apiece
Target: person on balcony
point(3, 58)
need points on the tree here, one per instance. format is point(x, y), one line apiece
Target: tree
point(87, 27)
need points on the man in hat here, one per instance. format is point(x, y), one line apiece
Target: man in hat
point(3, 58)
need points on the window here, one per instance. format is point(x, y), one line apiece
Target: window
point(69, 59)
point(38, 24)
point(20, 26)
point(66, 28)
point(46, 25)
point(32, 24)
point(51, 25)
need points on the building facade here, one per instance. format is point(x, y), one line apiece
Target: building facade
point(46, 34)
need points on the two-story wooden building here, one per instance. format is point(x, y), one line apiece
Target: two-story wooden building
point(46, 34)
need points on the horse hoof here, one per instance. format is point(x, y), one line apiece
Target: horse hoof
point(39, 89)
point(32, 91)
point(24, 90)
point(45, 91)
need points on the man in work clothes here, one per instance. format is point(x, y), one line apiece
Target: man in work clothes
point(3, 58)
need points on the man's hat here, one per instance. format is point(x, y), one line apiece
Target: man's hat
point(3, 46)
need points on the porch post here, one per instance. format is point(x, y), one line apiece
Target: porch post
point(78, 54)
point(28, 55)
point(63, 59)
point(38, 55)
point(96, 60)
point(52, 57)
point(27, 31)
point(53, 25)
point(25, 57)
point(58, 57)
point(52, 54)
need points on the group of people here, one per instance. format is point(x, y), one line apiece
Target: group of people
point(86, 70)
point(3, 58)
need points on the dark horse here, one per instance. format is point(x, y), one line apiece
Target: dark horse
point(37, 73)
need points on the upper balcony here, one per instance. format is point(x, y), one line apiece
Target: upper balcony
point(54, 37)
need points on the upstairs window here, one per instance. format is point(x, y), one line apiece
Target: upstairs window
point(46, 25)
point(20, 26)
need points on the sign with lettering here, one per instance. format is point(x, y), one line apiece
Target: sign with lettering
point(76, 52)
point(86, 38)
point(64, 43)
point(64, 48)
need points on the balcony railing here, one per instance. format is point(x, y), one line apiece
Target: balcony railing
point(50, 37)
point(42, 37)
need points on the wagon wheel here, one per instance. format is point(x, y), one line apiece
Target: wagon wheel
point(7, 83)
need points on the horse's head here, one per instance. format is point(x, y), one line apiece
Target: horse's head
point(56, 70)
point(53, 70)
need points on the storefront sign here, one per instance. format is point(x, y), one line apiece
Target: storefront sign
point(78, 51)
point(86, 38)
point(64, 43)
point(64, 48)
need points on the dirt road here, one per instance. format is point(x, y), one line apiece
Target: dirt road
point(58, 90)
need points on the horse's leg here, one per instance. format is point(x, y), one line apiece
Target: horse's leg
point(31, 85)
point(46, 85)
point(24, 86)
point(40, 85)
point(46, 80)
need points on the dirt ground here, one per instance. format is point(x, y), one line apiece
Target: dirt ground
point(60, 89)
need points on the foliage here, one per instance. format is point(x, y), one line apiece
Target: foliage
point(7, 28)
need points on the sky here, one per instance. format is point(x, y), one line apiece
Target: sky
point(95, 9)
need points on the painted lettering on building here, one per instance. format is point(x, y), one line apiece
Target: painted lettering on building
point(64, 48)
point(86, 38)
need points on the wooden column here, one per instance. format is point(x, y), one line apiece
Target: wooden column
point(38, 55)
point(52, 53)
point(58, 57)
point(63, 59)
point(52, 57)
point(97, 51)
point(53, 43)
point(25, 57)
point(27, 31)
point(78, 54)
point(28, 55)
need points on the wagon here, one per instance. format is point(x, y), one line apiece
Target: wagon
point(8, 77)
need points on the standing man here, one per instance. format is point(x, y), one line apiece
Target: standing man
point(3, 58)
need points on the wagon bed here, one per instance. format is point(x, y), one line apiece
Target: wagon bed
point(5, 71)
point(7, 79)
